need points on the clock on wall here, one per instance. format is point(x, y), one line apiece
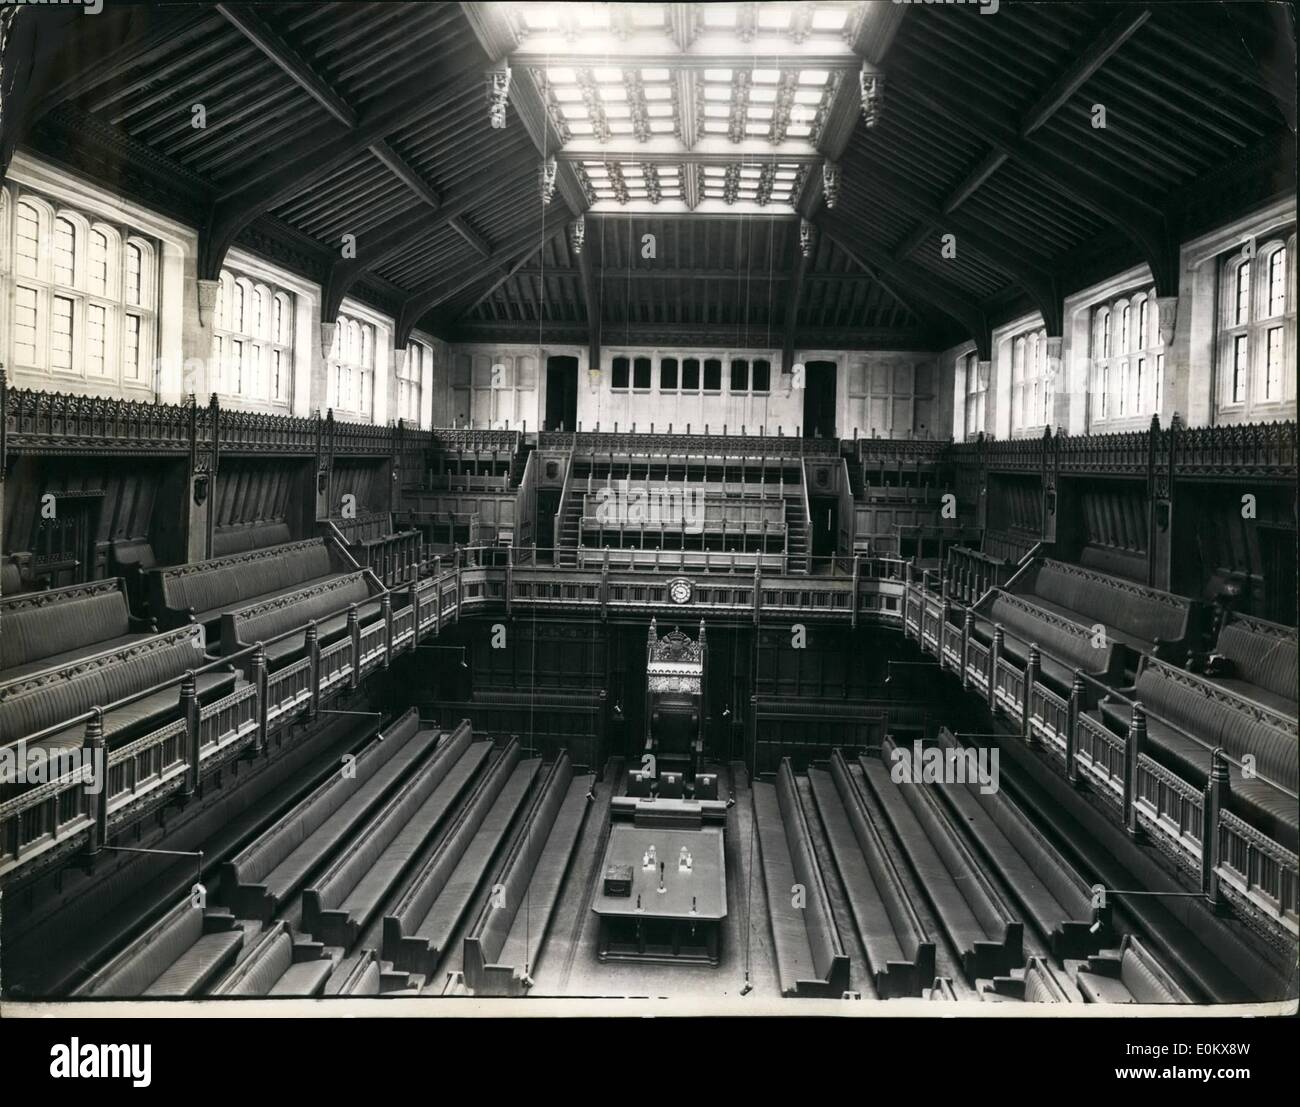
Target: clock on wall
point(679, 590)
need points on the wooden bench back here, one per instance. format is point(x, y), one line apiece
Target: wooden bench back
point(1217, 717)
point(264, 621)
point(1135, 609)
point(1262, 653)
point(34, 625)
point(244, 537)
point(1058, 638)
point(47, 698)
point(223, 582)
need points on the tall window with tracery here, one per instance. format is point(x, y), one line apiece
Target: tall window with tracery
point(977, 387)
point(83, 295)
point(252, 341)
point(1128, 359)
point(1031, 382)
point(410, 382)
point(352, 368)
point(1257, 329)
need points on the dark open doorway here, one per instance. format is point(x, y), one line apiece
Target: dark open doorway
point(561, 393)
point(819, 399)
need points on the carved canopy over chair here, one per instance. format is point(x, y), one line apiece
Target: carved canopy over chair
point(675, 699)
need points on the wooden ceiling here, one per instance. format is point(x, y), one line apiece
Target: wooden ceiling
point(372, 119)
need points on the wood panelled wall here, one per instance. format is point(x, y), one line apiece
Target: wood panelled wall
point(257, 490)
point(118, 498)
point(1215, 547)
point(368, 479)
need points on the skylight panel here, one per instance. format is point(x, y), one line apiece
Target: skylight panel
point(617, 111)
point(766, 76)
point(717, 110)
point(813, 76)
point(717, 75)
point(656, 74)
point(580, 126)
point(658, 92)
point(607, 74)
point(773, 15)
point(648, 15)
point(719, 15)
point(661, 126)
point(619, 127)
point(762, 95)
point(560, 75)
point(829, 19)
point(798, 130)
point(568, 94)
point(717, 92)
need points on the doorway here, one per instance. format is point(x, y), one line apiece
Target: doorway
point(561, 394)
point(819, 399)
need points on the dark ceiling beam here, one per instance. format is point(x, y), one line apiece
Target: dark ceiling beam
point(1271, 44)
point(872, 39)
point(116, 41)
point(1034, 274)
point(799, 264)
point(1090, 59)
point(1068, 171)
point(468, 234)
point(404, 172)
point(971, 183)
point(1042, 286)
point(733, 335)
point(320, 152)
point(917, 284)
point(262, 35)
point(54, 54)
point(426, 299)
point(391, 238)
point(515, 270)
point(593, 303)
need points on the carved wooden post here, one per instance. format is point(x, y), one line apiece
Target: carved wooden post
point(456, 612)
point(312, 642)
point(857, 570)
point(758, 592)
point(967, 629)
point(97, 800)
point(413, 591)
point(354, 636)
point(1031, 674)
point(995, 655)
point(1213, 804)
point(1078, 690)
point(386, 611)
point(190, 713)
point(1137, 733)
point(258, 674)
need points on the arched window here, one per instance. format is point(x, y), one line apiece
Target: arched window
point(65, 251)
point(134, 273)
point(1276, 302)
point(1125, 375)
point(253, 341)
point(75, 317)
point(1028, 380)
point(353, 391)
point(1256, 342)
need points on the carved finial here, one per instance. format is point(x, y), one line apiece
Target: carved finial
point(871, 82)
point(807, 236)
point(547, 175)
point(577, 235)
point(498, 93)
point(831, 182)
